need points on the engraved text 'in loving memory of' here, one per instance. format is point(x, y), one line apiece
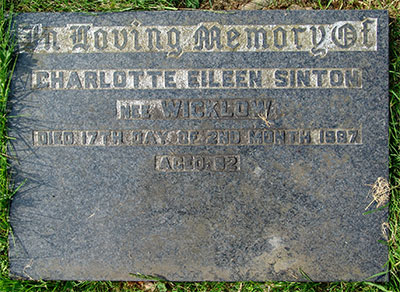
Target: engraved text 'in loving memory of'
point(204, 37)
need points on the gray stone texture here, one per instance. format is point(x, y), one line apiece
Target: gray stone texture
point(107, 212)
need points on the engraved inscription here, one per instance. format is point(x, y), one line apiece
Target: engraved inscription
point(239, 78)
point(212, 137)
point(197, 163)
point(204, 37)
point(223, 108)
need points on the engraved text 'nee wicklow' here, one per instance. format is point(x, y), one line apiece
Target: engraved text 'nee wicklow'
point(170, 109)
point(281, 78)
point(317, 39)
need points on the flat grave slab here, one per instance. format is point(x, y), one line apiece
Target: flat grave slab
point(199, 146)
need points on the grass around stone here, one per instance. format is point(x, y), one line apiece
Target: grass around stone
point(7, 61)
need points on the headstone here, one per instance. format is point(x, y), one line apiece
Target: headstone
point(199, 146)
